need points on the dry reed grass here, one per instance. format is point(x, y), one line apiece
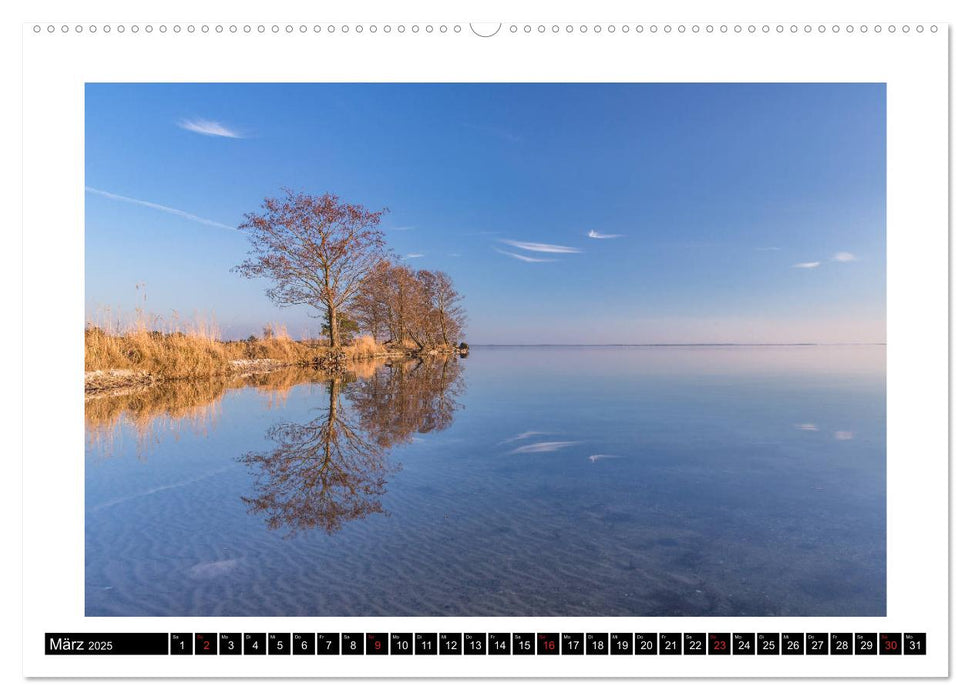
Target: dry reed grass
point(175, 350)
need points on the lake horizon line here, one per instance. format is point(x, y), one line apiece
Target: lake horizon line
point(667, 345)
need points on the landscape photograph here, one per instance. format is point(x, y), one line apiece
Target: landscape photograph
point(485, 349)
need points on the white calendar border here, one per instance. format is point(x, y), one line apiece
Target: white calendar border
point(56, 65)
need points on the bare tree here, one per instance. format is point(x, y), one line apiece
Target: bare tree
point(371, 307)
point(418, 307)
point(316, 250)
point(405, 313)
point(447, 308)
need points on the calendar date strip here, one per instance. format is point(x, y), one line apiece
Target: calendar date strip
point(487, 644)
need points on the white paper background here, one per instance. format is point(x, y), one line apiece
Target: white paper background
point(917, 142)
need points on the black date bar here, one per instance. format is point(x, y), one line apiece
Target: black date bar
point(118, 643)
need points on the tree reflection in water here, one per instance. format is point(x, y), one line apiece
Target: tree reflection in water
point(334, 469)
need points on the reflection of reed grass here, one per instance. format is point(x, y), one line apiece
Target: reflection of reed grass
point(276, 385)
point(363, 368)
point(170, 407)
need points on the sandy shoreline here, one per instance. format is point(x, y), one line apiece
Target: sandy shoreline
point(117, 382)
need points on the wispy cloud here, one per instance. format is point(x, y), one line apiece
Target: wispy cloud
point(596, 458)
point(160, 207)
point(844, 257)
point(209, 128)
point(504, 134)
point(843, 435)
point(454, 255)
point(603, 236)
point(543, 447)
point(524, 258)
point(769, 247)
point(402, 228)
point(807, 265)
point(811, 427)
point(409, 256)
point(540, 247)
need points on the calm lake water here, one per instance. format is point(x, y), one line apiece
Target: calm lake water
point(634, 481)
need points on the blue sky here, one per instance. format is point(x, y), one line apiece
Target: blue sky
point(720, 213)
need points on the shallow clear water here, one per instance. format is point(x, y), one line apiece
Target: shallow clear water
point(634, 481)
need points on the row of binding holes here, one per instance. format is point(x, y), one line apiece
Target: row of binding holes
point(712, 29)
point(513, 28)
point(258, 29)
